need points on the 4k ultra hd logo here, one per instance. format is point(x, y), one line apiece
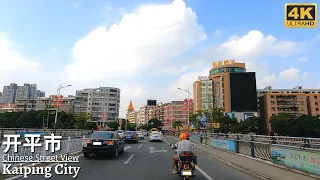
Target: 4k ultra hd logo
point(301, 15)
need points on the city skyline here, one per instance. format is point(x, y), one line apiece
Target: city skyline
point(107, 45)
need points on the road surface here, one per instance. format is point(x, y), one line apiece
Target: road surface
point(138, 162)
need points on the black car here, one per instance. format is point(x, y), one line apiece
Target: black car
point(130, 136)
point(103, 142)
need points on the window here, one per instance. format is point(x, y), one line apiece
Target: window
point(102, 134)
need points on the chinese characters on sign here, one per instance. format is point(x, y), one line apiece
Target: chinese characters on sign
point(224, 62)
point(13, 159)
point(32, 141)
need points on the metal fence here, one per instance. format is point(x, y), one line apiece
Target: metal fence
point(67, 146)
point(258, 145)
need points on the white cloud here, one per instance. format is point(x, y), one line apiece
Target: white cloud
point(147, 40)
point(291, 74)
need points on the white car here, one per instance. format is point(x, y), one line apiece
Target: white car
point(140, 134)
point(120, 132)
point(145, 132)
point(155, 136)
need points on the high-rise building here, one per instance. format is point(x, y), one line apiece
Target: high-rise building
point(101, 104)
point(131, 115)
point(14, 93)
point(143, 114)
point(9, 93)
point(227, 86)
point(202, 93)
point(296, 101)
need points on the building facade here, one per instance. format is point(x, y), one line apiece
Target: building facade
point(101, 104)
point(175, 111)
point(47, 103)
point(131, 115)
point(296, 101)
point(13, 93)
point(202, 93)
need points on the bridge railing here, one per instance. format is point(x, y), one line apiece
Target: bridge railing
point(294, 152)
point(67, 146)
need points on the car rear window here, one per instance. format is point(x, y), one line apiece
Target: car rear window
point(129, 132)
point(102, 135)
point(120, 131)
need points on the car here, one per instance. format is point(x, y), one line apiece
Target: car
point(145, 132)
point(140, 134)
point(120, 132)
point(103, 142)
point(155, 136)
point(130, 136)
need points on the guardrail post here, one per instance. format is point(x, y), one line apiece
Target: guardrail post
point(237, 144)
point(68, 144)
point(252, 146)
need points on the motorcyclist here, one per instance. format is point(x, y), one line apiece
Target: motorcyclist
point(175, 156)
point(187, 145)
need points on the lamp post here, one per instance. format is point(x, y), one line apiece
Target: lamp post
point(57, 107)
point(188, 106)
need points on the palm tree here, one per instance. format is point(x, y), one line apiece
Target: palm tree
point(177, 124)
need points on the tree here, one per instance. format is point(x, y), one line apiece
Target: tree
point(177, 124)
point(154, 123)
point(145, 127)
point(253, 124)
point(113, 125)
point(81, 120)
point(282, 123)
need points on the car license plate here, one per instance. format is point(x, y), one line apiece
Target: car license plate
point(97, 143)
point(186, 172)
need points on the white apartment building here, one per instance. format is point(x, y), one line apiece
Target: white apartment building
point(98, 101)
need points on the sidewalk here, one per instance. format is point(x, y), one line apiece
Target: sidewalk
point(256, 167)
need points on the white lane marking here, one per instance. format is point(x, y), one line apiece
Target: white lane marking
point(126, 147)
point(140, 146)
point(204, 173)
point(19, 176)
point(166, 141)
point(129, 159)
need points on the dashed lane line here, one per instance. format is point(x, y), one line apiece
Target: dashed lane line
point(140, 146)
point(204, 173)
point(129, 159)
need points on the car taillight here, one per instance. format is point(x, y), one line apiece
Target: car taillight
point(109, 142)
point(134, 136)
point(186, 166)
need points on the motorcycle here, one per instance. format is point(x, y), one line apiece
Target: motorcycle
point(185, 170)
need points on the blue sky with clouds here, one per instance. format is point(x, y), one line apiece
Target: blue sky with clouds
point(148, 48)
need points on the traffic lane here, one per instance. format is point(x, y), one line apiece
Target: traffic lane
point(217, 169)
point(155, 162)
point(96, 166)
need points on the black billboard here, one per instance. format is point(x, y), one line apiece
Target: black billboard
point(243, 92)
point(151, 102)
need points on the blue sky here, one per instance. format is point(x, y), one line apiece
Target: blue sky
point(44, 36)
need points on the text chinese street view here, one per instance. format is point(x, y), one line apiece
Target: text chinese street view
point(24, 159)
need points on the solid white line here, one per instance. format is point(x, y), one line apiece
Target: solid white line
point(129, 159)
point(204, 173)
point(166, 141)
point(140, 146)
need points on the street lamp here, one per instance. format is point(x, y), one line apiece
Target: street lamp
point(57, 107)
point(188, 107)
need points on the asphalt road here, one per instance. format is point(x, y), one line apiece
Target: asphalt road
point(138, 163)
